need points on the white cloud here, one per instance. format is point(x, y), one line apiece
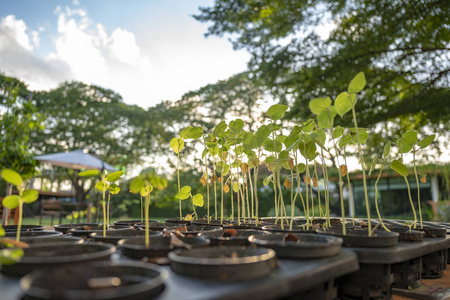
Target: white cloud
point(124, 46)
point(13, 29)
point(35, 38)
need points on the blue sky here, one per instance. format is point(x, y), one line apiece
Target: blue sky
point(147, 51)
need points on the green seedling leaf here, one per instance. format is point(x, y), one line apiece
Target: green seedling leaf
point(195, 133)
point(308, 126)
point(10, 256)
point(300, 168)
point(281, 138)
point(12, 177)
point(250, 154)
point(239, 150)
point(205, 151)
point(236, 125)
point(146, 190)
point(308, 150)
point(387, 150)
point(101, 186)
point(270, 159)
point(250, 142)
point(262, 134)
point(219, 128)
point(236, 187)
point(326, 117)
point(407, 141)
point(111, 177)
point(158, 183)
point(272, 146)
point(277, 111)
point(177, 144)
point(321, 137)
point(2, 231)
point(373, 165)
point(184, 134)
point(213, 151)
point(426, 141)
point(114, 189)
point(343, 103)
point(136, 185)
point(11, 201)
point(363, 135)
point(184, 193)
point(357, 84)
point(345, 140)
point(29, 196)
point(89, 173)
point(222, 167)
point(198, 200)
point(400, 168)
point(318, 105)
point(337, 132)
point(268, 179)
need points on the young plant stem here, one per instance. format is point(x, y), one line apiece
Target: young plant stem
point(231, 189)
point(363, 168)
point(142, 212)
point(350, 190)
point(193, 208)
point(341, 191)
point(147, 226)
point(411, 202)
point(255, 175)
point(282, 206)
point(249, 213)
point(104, 212)
point(418, 188)
point(107, 208)
point(327, 195)
point(251, 193)
point(312, 199)
point(179, 187)
point(307, 192)
point(207, 188)
point(318, 189)
point(215, 191)
point(19, 224)
point(376, 199)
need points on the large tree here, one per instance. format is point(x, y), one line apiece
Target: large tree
point(403, 46)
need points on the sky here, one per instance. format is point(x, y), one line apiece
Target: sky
point(147, 51)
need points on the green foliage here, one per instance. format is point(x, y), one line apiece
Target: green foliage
point(399, 167)
point(277, 111)
point(184, 193)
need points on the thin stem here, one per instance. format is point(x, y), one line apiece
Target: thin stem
point(207, 188)
point(350, 190)
point(179, 187)
point(107, 209)
point(142, 212)
point(361, 159)
point(376, 198)
point(19, 224)
point(418, 188)
point(411, 202)
point(147, 226)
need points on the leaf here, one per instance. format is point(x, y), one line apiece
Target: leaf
point(239, 150)
point(337, 132)
point(29, 196)
point(262, 134)
point(407, 141)
point(326, 117)
point(222, 167)
point(111, 177)
point(291, 163)
point(300, 168)
point(203, 180)
point(277, 111)
point(426, 141)
point(308, 150)
point(315, 182)
point(345, 140)
point(184, 193)
point(89, 173)
point(136, 185)
point(10, 256)
point(101, 186)
point(343, 103)
point(185, 132)
point(268, 179)
point(213, 178)
point(244, 168)
point(12, 177)
point(307, 180)
point(343, 169)
point(213, 151)
point(318, 105)
point(114, 189)
point(423, 179)
point(226, 188)
point(177, 144)
point(235, 187)
point(236, 125)
point(400, 168)
point(198, 200)
point(188, 217)
point(11, 201)
point(272, 146)
point(2, 231)
point(357, 84)
point(387, 150)
point(195, 133)
point(219, 128)
point(287, 183)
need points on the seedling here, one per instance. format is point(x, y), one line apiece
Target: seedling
point(14, 201)
point(197, 200)
point(10, 250)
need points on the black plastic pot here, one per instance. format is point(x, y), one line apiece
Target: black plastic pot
point(160, 246)
point(210, 223)
point(217, 238)
point(35, 234)
point(192, 230)
point(133, 222)
point(85, 232)
point(55, 256)
point(434, 264)
point(407, 274)
point(177, 222)
point(295, 229)
point(41, 240)
point(113, 236)
point(433, 231)
point(154, 227)
point(13, 228)
point(360, 238)
point(65, 228)
point(307, 245)
point(406, 235)
point(120, 280)
point(224, 263)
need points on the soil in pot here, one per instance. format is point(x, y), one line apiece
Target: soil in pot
point(13, 228)
point(99, 281)
point(433, 231)
point(299, 245)
point(212, 222)
point(154, 227)
point(159, 246)
point(86, 231)
point(406, 235)
point(224, 263)
point(54, 256)
point(35, 234)
point(113, 236)
point(231, 237)
point(360, 238)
